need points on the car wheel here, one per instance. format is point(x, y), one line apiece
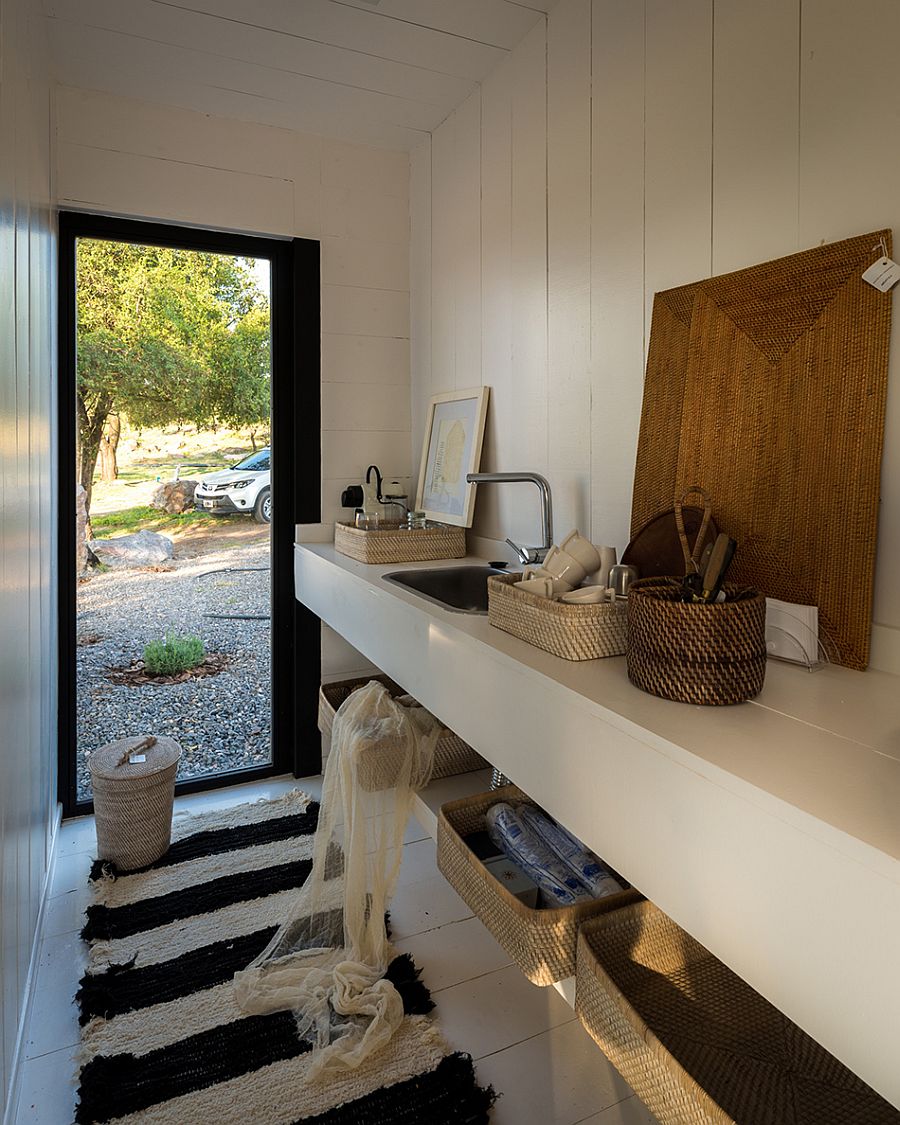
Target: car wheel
point(262, 509)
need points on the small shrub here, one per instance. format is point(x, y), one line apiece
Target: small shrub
point(174, 654)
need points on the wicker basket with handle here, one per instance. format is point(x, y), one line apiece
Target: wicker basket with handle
point(541, 942)
point(574, 632)
point(451, 756)
point(697, 1044)
point(133, 799)
point(694, 652)
point(390, 544)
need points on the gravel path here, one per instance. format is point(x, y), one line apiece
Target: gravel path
point(222, 722)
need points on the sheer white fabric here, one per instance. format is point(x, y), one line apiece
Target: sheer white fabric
point(328, 959)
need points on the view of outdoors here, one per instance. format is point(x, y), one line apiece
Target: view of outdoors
point(174, 503)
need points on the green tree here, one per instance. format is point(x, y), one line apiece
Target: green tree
point(165, 337)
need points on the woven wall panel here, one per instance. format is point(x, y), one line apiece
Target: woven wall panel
point(767, 387)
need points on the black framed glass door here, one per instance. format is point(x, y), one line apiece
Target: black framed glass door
point(191, 344)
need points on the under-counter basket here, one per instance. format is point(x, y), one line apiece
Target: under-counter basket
point(392, 544)
point(694, 652)
point(541, 942)
point(451, 755)
point(574, 632)
point(697, 1044)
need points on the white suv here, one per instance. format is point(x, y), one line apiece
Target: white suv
point(243, 489)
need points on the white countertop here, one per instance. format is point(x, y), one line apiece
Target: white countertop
point(769, 830)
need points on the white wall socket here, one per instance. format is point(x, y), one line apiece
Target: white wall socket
point(792, 631)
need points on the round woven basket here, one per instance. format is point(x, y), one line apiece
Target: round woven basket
point(133, 800)
point(694, 652)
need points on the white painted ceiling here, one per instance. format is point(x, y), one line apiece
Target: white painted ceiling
point(381, 72)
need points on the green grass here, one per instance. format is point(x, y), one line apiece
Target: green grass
point(127, 520)
point(174, 654)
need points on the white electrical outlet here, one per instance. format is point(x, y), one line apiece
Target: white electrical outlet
point(792, 631)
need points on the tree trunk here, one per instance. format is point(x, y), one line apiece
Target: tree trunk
point(109, 469)
point(253, 439)
point(90, 433)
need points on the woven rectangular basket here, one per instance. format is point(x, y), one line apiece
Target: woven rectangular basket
point(574, 632)
point(541, 942)
point(696, 653)
point(451, 756)
point(696, 1043)
point(391, 545)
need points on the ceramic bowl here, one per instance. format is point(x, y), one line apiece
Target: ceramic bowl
point(582, 551)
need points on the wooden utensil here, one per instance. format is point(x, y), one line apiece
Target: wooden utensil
point(719, 562)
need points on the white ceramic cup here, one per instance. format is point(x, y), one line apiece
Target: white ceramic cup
point(587, 595)
point(545, 587)
point(607, 561)
point(561, 565)
point(582, 550)
point(536, 572)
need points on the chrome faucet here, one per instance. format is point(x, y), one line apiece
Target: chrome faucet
point(525, 555)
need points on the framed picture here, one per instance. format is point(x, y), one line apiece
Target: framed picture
point(454, 432)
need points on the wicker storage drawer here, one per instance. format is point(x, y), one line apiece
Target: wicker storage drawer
point(574, 632)
point(541, 942)
point(391, 545)
point(696, 1043)
point(452, 755)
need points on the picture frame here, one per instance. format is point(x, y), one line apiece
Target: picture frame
point(454, 435)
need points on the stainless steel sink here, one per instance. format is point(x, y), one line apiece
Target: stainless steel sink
point(460, 588)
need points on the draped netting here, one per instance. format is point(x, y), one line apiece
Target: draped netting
point(327, 961)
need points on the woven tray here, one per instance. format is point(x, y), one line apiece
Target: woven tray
point(695, 1042)
point(574, 632)
point(391, 545)
point(541, 942)
point(451, 756)
point(705, 654)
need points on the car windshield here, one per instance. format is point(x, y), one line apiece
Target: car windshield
point(256, 462)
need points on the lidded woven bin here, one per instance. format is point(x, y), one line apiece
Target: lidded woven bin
point(133, 800)
point(696, 1043)
point(709, 654)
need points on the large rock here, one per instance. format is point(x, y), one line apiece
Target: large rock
point(174, 496)
point(143, 548)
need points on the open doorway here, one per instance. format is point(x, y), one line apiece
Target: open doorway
point(189, 408)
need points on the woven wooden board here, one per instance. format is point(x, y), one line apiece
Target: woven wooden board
point(767, 387)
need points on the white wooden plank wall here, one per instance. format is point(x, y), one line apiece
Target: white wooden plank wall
point(27, 506)
point(130, 157)
point(627, 147)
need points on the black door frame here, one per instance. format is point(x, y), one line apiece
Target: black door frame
point(296, 483)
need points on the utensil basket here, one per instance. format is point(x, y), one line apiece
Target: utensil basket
point(133, 800)
point(389, 544)
point(694, 652)
point(696, 1043)
point(574, 632)
point(451, 756)
point(541, 942)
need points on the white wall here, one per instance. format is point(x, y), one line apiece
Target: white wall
point(625, 147)
point(128, 157)
point(27, 507)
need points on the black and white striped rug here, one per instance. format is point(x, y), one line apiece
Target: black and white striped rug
point(163, 1042)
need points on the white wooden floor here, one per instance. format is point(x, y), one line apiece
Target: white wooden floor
point(526, 1041)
